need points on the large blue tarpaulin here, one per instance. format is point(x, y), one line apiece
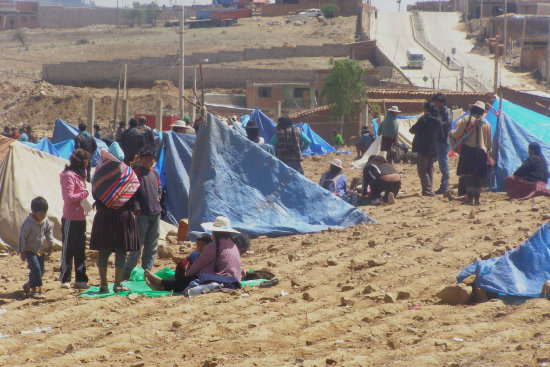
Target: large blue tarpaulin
point(513, 131)
point(63, 149)
point(63, 131)
point(520, 272)
point(173, 166)
point(266, 126)
point(318, 145)
point(233, 177)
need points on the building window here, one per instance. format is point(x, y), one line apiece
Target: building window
point(299, 92)
point(264, 92)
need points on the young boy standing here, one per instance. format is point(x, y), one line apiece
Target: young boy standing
point(148, 211)
point(34, 229)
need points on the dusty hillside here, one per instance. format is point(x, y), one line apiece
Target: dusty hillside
point(331, 307)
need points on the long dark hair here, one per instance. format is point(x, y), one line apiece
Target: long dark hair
point(535, 148)
point(218, 236)
point(76, 162)
point(284, 123)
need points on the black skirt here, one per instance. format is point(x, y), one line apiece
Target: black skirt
point(472, 161)
point(114, 229)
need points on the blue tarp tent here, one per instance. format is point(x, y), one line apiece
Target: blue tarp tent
point(64, 131)
point(173, 167)
point(520, 272)
point(266, 126)
point(513, 131)
point(234, 177)
point(61, 150)
point(318, 145)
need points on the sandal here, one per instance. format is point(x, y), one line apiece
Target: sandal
point(37, 295)
point(117, 288)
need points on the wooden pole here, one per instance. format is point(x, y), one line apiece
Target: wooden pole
point(505, 40)
point(125, 92)
point(495, 76)
point(182, 63)
point(116, 103)
point(91, 115)
point(522, 40)
point(158, 117)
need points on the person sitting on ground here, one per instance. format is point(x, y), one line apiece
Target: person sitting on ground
point(120, 130)
point(148, 137)
point(337, 139)
point(389, 131)
point(531, 178)
point(23, 137)
point(132, 142)
point(334, 180)
point(35, 228)
point(289, 142)
point(364, 142)
point(84, 141)
point(14, 133)
point(114, 228)
point(219, 262)
point(381, 177)
point(184, 265)
point(181, 127)
point(147, 211)
point(426, 136)
point(97, 131)
point(33, 138)
point(7, 132)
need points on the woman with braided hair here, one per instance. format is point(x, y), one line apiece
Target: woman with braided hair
point(289, 141)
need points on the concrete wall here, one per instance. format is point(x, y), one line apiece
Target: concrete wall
point(347, 7)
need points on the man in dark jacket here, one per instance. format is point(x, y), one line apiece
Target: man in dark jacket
point(426, 137)
point(148, 137)
point(443, 148)
point(131, 142)
point(84, 141)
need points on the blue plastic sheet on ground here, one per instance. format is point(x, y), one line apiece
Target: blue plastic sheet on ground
point(318, 145)
point(64, 131)
point(520, 272)
point(513, 131)
point(233, 177)
point(61, 150)
point(176, 164)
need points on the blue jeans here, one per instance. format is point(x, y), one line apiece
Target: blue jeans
point(443, 150)
point(36, 266)
point(148, 235)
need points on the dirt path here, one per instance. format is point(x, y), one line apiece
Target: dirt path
point(326, 315)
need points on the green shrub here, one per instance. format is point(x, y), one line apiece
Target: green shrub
point(330, 10)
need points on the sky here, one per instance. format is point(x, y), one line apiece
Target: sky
point(385, 5)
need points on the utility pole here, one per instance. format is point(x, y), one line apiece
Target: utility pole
point(495, 77)
point(481, 19)
point(462, 79)
point(440, 6)
point(548, 59)
point(182, 63)
point(505, 29)
point(399, 5)
point(522, 38)
point(194, 93)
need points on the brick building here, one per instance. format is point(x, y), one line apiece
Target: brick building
point(23, 15)
point(292, 95)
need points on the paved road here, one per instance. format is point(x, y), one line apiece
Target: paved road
point(445, 32)
point(394, 37)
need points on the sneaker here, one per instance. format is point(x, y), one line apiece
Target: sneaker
point(81, 285)
point(440, 192)
point(66, 285)
point(430, 194)
point(391, 198)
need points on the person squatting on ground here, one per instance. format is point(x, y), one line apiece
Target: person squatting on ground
point(35, 228)
point(473, 143)
point(381, 177)
point(219, 262)
point(114, 228)
point(337, 140)
point(73, 222)
point(426, 137)
point(148, 211)
point(443, 147)
point(389, 131)
point(289, 142)
point(531, 178)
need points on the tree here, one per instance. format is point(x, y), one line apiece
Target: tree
point(152, 13)
point(344, 87)
point(136, 13)
point(329, 10)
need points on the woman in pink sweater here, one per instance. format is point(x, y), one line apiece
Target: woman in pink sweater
point(73, 222)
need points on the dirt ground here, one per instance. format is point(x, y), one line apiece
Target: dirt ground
point(105, 42)
point(331, 308)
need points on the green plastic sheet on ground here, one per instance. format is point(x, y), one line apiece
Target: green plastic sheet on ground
point(136, 284)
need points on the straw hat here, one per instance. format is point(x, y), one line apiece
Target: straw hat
point(179, 123)
point(220, 224)
point(479, 104)
point(336, 162)
point(394, 109)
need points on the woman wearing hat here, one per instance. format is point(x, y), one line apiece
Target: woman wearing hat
point(334, 180)
point(389, 130)
point(181, 127)
point(473, 141)
point(220, 261)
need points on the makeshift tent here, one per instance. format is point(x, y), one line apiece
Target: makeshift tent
point(513, 131)
point(234, 177)
point(64, 131)
point(374, 149)
point(4, 146)
point(61, 150)
point(25, 174)
point(266, 126)
point(174, 167)
point(520, 272)
point(318, 145)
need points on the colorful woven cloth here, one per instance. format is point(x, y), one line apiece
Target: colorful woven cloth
point(114, 183)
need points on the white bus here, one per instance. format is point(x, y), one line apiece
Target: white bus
point(415, 58)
